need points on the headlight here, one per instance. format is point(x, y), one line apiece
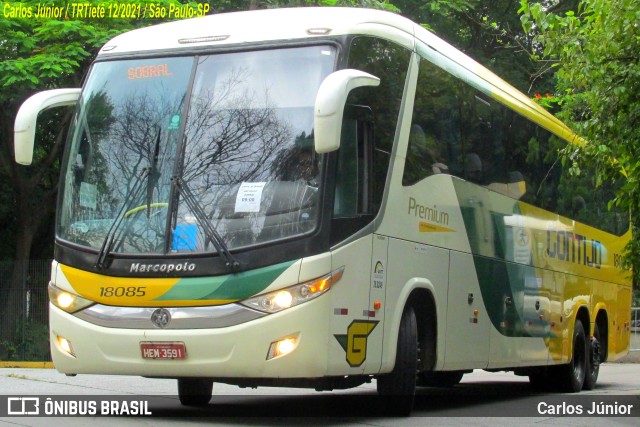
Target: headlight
point(295, 295)
point(66, 300)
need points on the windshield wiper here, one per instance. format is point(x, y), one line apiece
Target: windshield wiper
point(152, 174)
point(109, 239)
point(210, 232)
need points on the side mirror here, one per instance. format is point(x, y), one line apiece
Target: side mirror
point(24, 129)
point(330, 102)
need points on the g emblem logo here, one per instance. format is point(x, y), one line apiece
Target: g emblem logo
point(161, 317)
point(354, 342)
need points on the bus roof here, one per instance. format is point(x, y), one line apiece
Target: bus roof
point(237, 28)
point(253, 26)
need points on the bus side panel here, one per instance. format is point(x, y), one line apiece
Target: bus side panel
point(559, 342)
point(609, 301)
point(468, 323)
point(620, 325)
point(517, 299)
point(427, 212)
point(356, 333)
point(412, 266)
point(577, 294)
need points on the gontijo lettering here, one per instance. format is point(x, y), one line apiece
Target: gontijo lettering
point(573, 247)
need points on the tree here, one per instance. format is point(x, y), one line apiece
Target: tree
point(594, 48)
point(489, 32)
point(38, 54)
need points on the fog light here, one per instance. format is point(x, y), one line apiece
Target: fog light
point(282, 347)
point(65, 345)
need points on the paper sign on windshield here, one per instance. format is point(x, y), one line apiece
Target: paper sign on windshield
point(249, 197)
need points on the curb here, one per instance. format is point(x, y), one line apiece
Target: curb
point(29, 365)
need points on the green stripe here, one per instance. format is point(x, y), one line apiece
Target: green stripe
point(498, 284)
point(228, 287)
point(504, 284)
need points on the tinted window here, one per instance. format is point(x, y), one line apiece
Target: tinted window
point(458, 130)
point(389, 62)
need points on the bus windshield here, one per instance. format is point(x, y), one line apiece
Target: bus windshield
point(165, 152)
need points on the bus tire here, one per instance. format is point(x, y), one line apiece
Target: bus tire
point(571, 376)
point(398, 387)
point(440, 379)
point(593, 360)
point(195, 391)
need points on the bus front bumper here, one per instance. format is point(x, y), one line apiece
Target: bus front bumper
point(239, 351)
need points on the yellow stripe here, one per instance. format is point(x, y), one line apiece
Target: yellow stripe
point(138, 292)
point(427, 227)
point(508, 95)
point(28, 365)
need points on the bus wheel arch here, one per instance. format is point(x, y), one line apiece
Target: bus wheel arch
point(415, 352)
point(424, 306)
point(602, 325)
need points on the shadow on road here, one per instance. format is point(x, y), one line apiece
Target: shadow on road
point(466, 399)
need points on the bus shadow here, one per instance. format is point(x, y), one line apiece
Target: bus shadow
point(500, 399)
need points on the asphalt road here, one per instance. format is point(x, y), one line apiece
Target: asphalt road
point(492, 399)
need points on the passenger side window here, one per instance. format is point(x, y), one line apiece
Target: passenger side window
point(368, 132)
point(353, 173)
point(434, 139)
point(389, 62)
point(457, 129)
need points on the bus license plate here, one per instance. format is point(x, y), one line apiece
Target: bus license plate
point(164, 350)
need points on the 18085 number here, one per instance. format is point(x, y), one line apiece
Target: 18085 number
point(122, 291)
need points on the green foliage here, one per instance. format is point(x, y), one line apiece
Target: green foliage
point(38, 54)
point(42, 53)
point(595, 51)
point(489, 32)
point(31, 343)
point(227, 5)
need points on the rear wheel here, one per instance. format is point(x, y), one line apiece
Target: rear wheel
point(571, 377)
point(593, 360)
point(195, 391)
point(399, 386)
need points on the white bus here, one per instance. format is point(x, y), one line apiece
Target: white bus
point(322, 197)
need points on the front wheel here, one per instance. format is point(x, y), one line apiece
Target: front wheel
point(195, 391)
point(399, 386)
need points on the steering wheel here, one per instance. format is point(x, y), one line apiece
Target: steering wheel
point(145, 207)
